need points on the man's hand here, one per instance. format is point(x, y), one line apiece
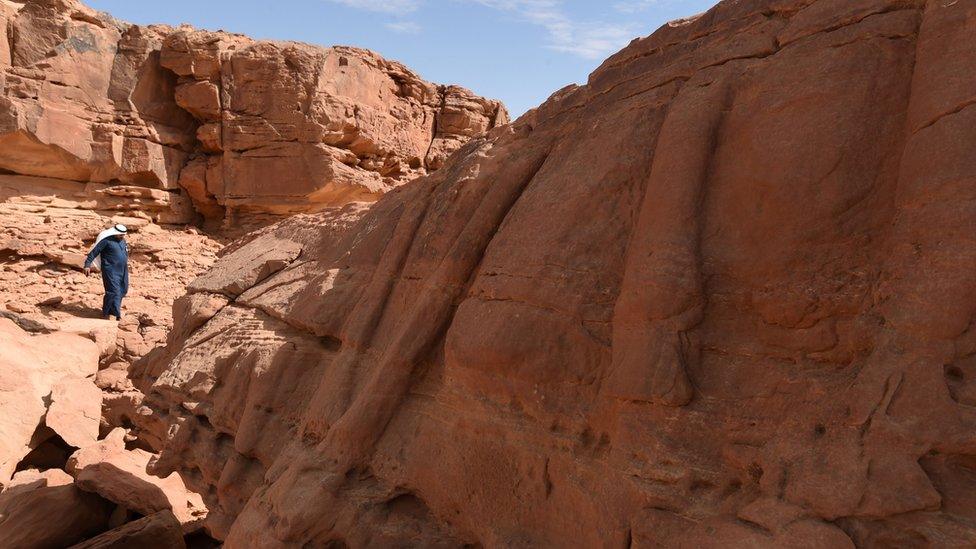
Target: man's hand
point(87, 271)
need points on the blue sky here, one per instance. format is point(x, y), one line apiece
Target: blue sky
point(519, 51)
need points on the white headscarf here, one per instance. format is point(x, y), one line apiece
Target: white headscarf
point(114, 230)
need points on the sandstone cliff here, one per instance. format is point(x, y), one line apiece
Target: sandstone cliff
point(133, 113)
point(722, 295)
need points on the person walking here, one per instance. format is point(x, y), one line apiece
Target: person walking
point(111, 254)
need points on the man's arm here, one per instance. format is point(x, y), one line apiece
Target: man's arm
point(93, 254)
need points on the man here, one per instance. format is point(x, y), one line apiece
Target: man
point(112, 253)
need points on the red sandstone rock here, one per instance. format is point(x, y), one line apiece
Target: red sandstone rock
point(102, 122)
point(247, 266)
point(358, 124)
point(43, 241)
point(721, 295)
point(46, 510)
point(103, 332)
point(30, 479)
point(75, 410)
point(119, 475)
point(31, 369)
point(157, 531)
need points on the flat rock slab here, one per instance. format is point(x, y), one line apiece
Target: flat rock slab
point(247, 266)
point(103, 332)
point(32, 479)
point(75, 410)
point(157, 531)
point(30, 367)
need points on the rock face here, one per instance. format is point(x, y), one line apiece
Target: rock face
point(86, 107)
point(115, 116)
point(722, 295)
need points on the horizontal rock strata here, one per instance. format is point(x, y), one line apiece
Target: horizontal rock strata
point(173, 123)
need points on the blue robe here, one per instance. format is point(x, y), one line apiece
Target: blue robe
point(115, 273)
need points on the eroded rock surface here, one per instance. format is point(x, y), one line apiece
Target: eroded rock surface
point(120, 475)
point(190, 138)
point(722, 294)
point(158, 128)
point(50, 419)
point(157, 120)
point(327, 126)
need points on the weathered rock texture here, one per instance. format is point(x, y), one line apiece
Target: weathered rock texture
point(47, 379)
point(117, 474)
point(103, 122)
point(85, 106)
point(157, 531)
point(120, 117)
point(46, 510)
point(288, 127)
point(50, 405)
point(722, 295)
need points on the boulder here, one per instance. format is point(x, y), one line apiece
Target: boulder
point(74, 410)
point(119, 475)
point(46, 510)
point(157, 531)
point(30, 369)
